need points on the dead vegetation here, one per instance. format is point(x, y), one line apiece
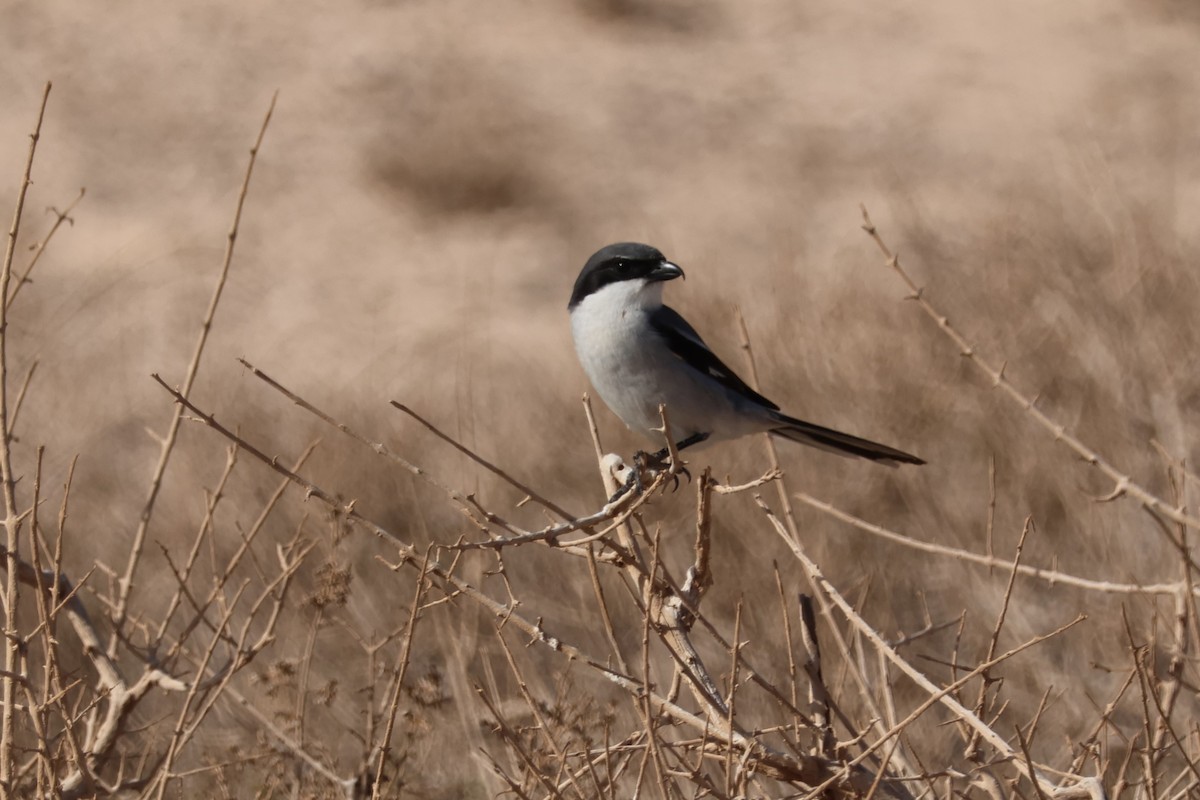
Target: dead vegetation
point(536, 651)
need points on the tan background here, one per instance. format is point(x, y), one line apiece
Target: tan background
point(437, 172)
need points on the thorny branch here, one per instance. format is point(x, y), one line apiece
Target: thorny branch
point(1122, 483)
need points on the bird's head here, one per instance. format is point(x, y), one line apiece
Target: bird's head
point(637, 268)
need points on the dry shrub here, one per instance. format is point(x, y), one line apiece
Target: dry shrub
point(378, 632)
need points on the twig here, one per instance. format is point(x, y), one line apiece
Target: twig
point(699, 577)
point(793, 529)
point(605, 614)
point(1164, 717)
point(943, 696)
point(773, 474)
point(12, 420)
point(542, 723)
point(672, 619)
point(787, 637)
point(52, 593)
point(989, 528)
point(39, 709)
point(981, 701)
point(234, 560)
point(125, 585)
point(12, 518)
point(269, 725)
point(1105, 716)
point(734, 652)
point(59, 218)
point(652, 753)
point(1168, 690)
point(514, 741)
point(818, 694)
point(398, 676)
point(782, 766)
point(672, 451)
point(205, 528)
point(1029, 763)
point(513, 786)
point(1122, 484)
point(1048, 575)
point(481, 461)
point(203, 692)
point(517, 536)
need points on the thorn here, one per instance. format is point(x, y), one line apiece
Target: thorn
point(1117, 491)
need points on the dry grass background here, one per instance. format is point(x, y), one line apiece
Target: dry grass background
point(434, 177)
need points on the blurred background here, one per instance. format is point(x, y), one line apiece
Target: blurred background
point(436, 173)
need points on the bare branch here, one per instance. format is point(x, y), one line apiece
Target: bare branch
point(1122, 483)
point(12, 517)
point(125, 585)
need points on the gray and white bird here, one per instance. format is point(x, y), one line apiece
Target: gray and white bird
point(639, 353)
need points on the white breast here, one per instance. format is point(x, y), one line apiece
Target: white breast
point(633, 370)
point(610, 329)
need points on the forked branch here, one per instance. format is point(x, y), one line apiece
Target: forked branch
point(1122, 484)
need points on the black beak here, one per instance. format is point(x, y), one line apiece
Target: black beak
point(665, 271)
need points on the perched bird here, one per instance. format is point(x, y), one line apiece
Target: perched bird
point(639, 353)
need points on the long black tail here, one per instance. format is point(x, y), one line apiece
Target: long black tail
point(797, 430)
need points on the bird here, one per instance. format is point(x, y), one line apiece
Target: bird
point(639, 353)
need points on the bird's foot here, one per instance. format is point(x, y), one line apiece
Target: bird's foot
point(645, 469)
point(662, 460)
point(648, 466)
point(657, 463)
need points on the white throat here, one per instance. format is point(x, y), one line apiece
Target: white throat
point(620, 299)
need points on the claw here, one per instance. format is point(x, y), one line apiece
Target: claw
point(675, 473)
point(658, 462)
point(685, 472)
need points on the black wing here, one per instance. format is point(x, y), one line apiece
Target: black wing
point(683, 341)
